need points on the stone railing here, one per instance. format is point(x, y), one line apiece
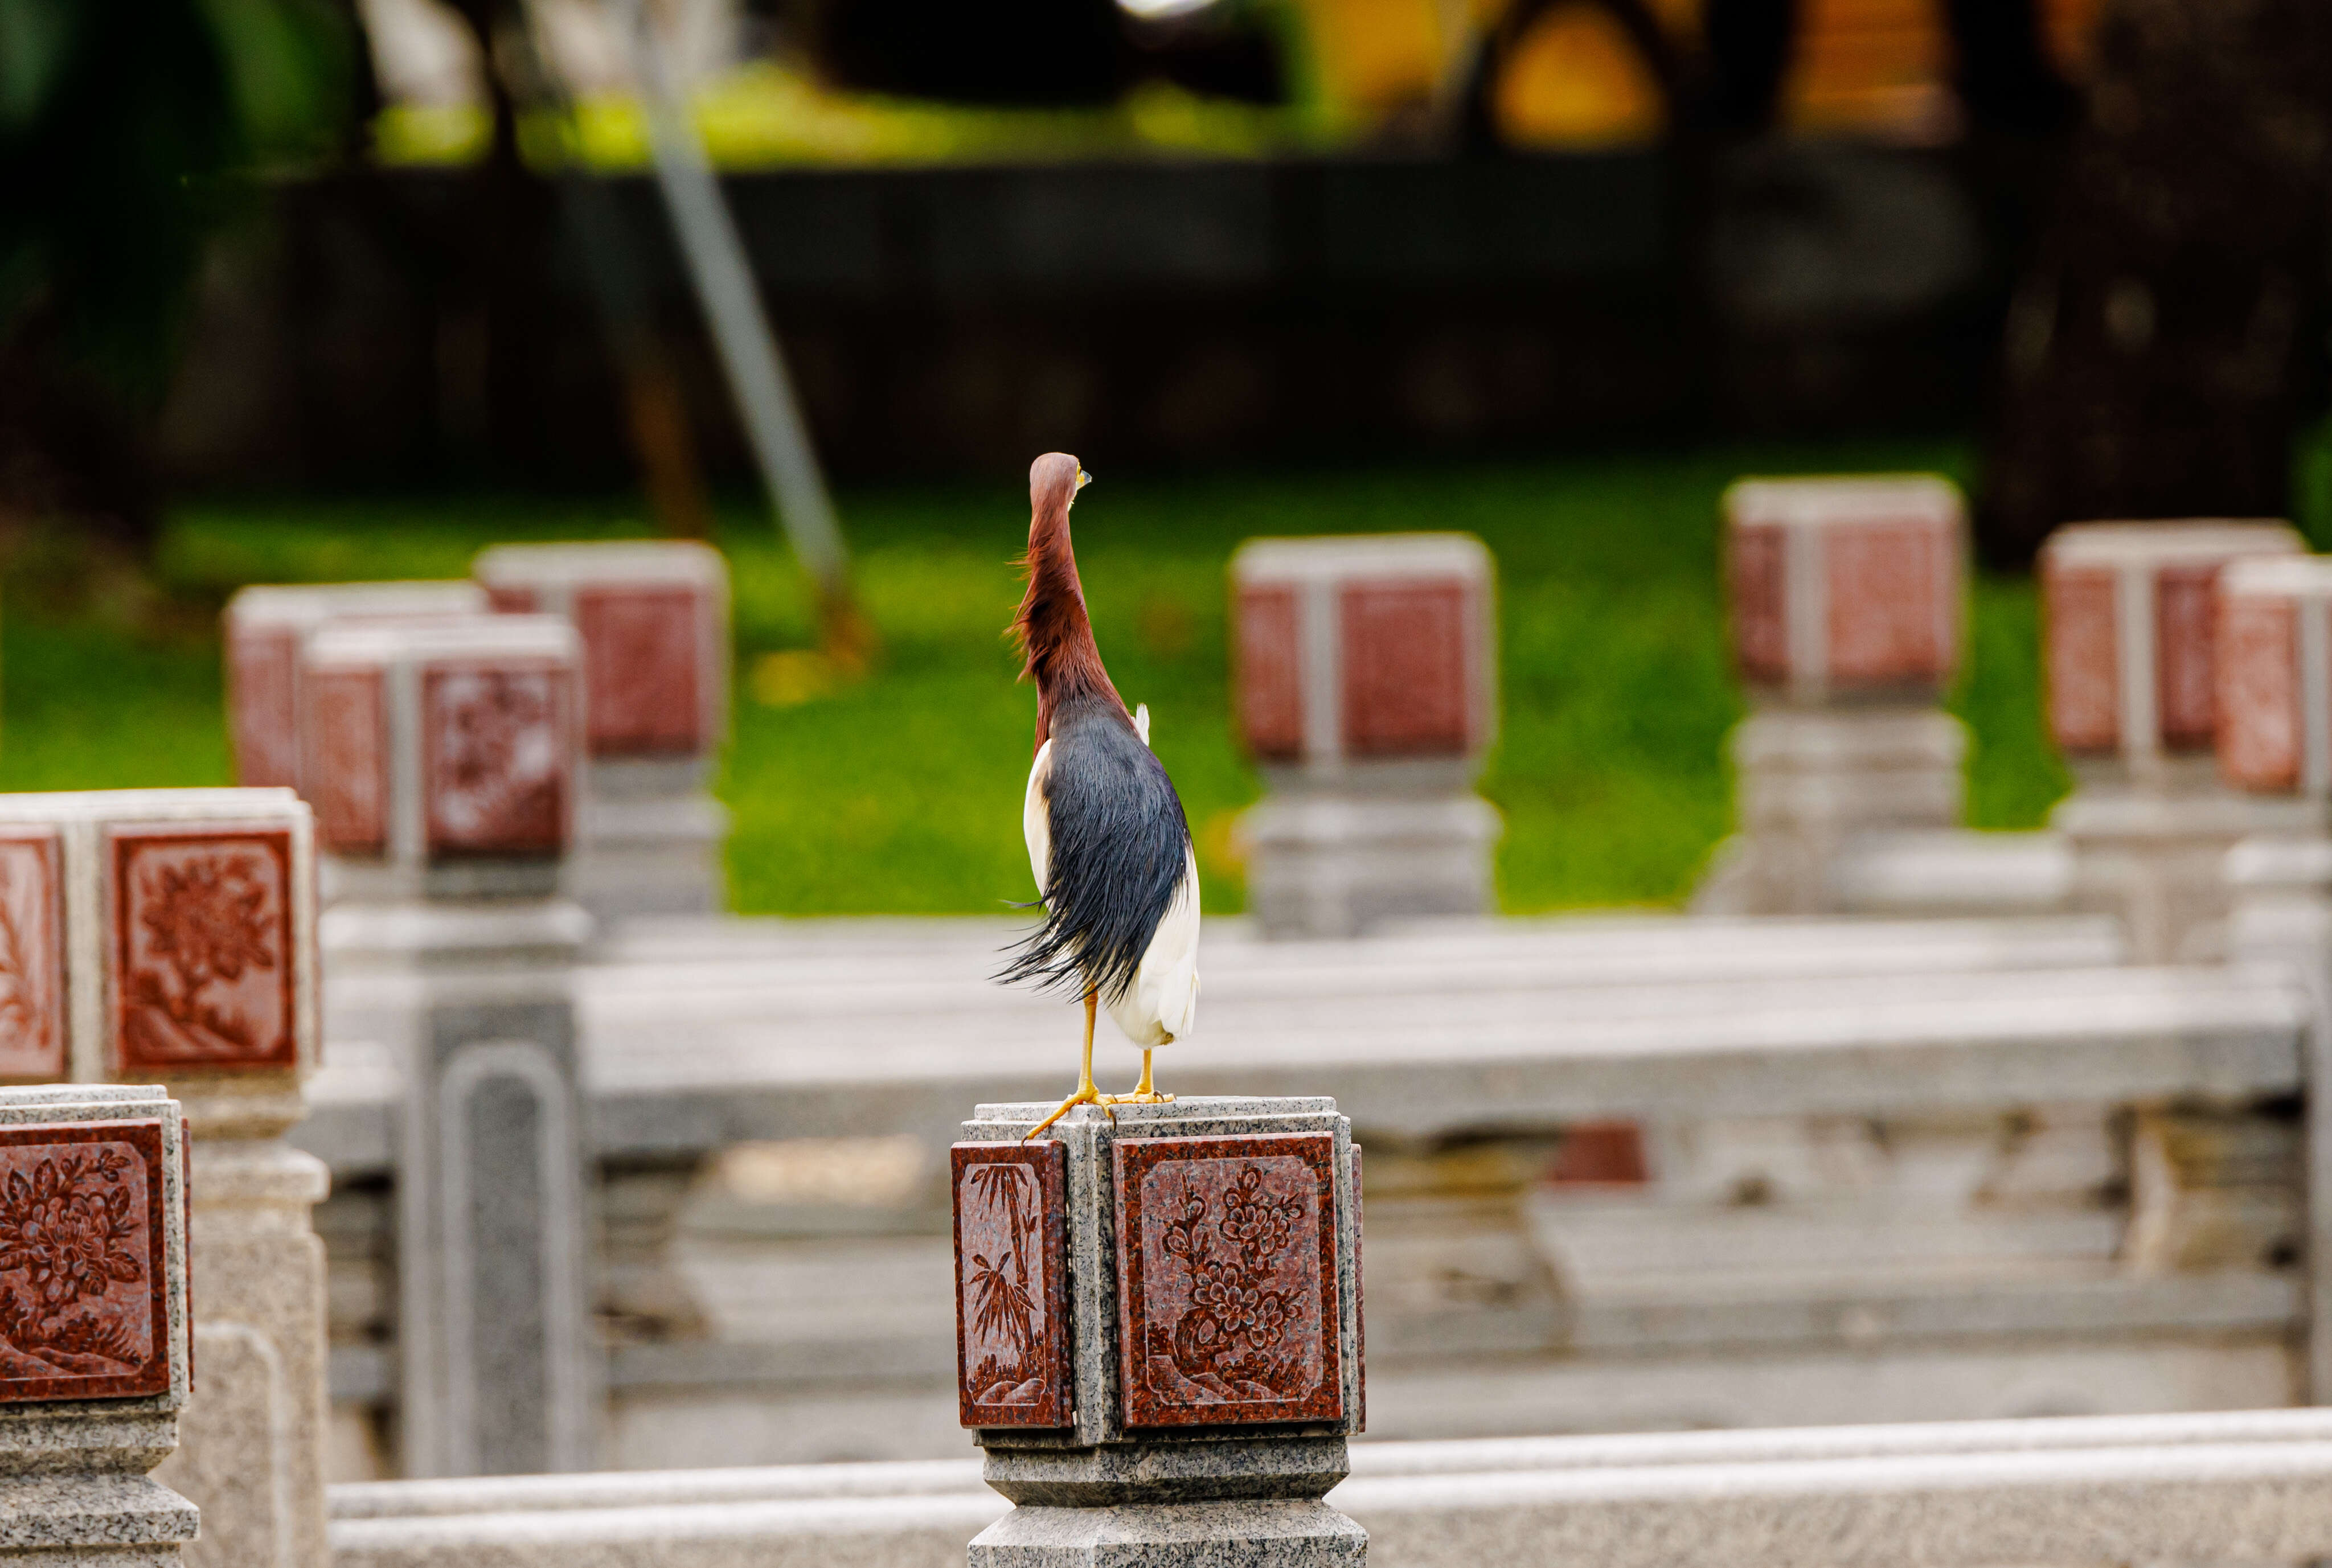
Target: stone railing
point(2242, 1488)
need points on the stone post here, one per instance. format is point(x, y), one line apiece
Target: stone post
point(94, 1363)
point(170, 934)
point(266, 628)
point(653, 617)
point(1366, 672)
point(2131, 615)
point(453, 750)
point(1846, 605)
point(1119, 1410)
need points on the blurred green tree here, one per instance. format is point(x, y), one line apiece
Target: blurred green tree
point(129, 130)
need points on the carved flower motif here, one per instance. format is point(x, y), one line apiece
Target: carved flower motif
point(207, 921)
point(69, 1227)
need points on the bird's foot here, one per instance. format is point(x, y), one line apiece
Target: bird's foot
point(1085, 1094)
point(1139, 1098)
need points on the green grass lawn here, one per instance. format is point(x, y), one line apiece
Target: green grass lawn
point(903, 793)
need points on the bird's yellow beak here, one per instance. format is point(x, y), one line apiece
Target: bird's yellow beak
point(1084, 479)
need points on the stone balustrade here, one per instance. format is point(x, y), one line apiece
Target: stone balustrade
point(654, 620)
point(1863, 1094)
point(2243, 1487)
point(1847, 599)
point(267, 628)
point(1366, 691)
point(2132, 664)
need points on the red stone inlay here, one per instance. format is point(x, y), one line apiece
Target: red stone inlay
point(641, 651)
point(1405, 686)
point(1360, 1299)
point(344, 760)
point(494, 759)
point(32, 955)
point(2260, 730)
point(261, 671)
point(510, 599)
point(1011, 1285)
point(1761, 628)
point(1888, 616)
point(2185, 620)
point(1600, 1154)
point(1227, 1280)
point(202, 952)
point(2084, 661)
point(84, 1278)
point(1271, 672)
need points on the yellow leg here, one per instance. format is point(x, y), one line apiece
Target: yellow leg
point(1087, 1094)
point(1145, 1092)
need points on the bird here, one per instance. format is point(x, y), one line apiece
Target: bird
point(1107, 838)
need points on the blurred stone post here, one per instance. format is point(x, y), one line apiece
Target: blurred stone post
point(267, 626)
point(2131, 615)
point(94, 1381)
point(1846, 605)
point(1125, 1416)
point(1366, 682)
point(2274, 680)
point(169, 935)
point(444, 763)
point(653, 618)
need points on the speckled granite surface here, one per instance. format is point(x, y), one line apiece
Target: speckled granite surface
point(1279, 1532)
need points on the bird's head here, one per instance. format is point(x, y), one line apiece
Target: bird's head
point(1054, 480)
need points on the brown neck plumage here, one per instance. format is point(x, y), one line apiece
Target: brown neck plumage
point(1056, 636)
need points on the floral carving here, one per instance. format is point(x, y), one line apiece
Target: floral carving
point(31, 979)
point(79, 1292)
point(497, 762)
point(204, 950)
point(1229, 1298)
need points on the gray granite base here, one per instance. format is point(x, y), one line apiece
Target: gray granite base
point(1180, 1472)
point(1262, 1532)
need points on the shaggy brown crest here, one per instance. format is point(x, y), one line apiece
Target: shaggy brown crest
point(1055, 634)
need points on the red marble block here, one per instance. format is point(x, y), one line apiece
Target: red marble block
point(201, 949)
point(2259, 696)
point(1011, 1285)
point(495, 743)
point(2084, 665)
point(32, 955)
point(1600, 1154)
point(2092, 574)
point(1228, 1302)
point(262, 674)
point(1270, 674)
point(344, 760)
point(1845, 584)
point(1761, 629)
point(84, 1277)
point(1407, 690)
point(641, 648)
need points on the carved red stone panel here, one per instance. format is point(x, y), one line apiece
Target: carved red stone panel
point(262, 669)
point(1406, 691)
point(84, 1278)
point(2185, 617)
point(1359, 1299)
point(1011, 1285)
point(1761, 630)
point(202, 950)
point(1227, 1280)
point(2084, 664)
point(496, 768)
point(344, 760)
point(32, 955)
point(640, 650)
point(1888, 621)
point(510, 599)
point(2260, 726)
point(1271, 672)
